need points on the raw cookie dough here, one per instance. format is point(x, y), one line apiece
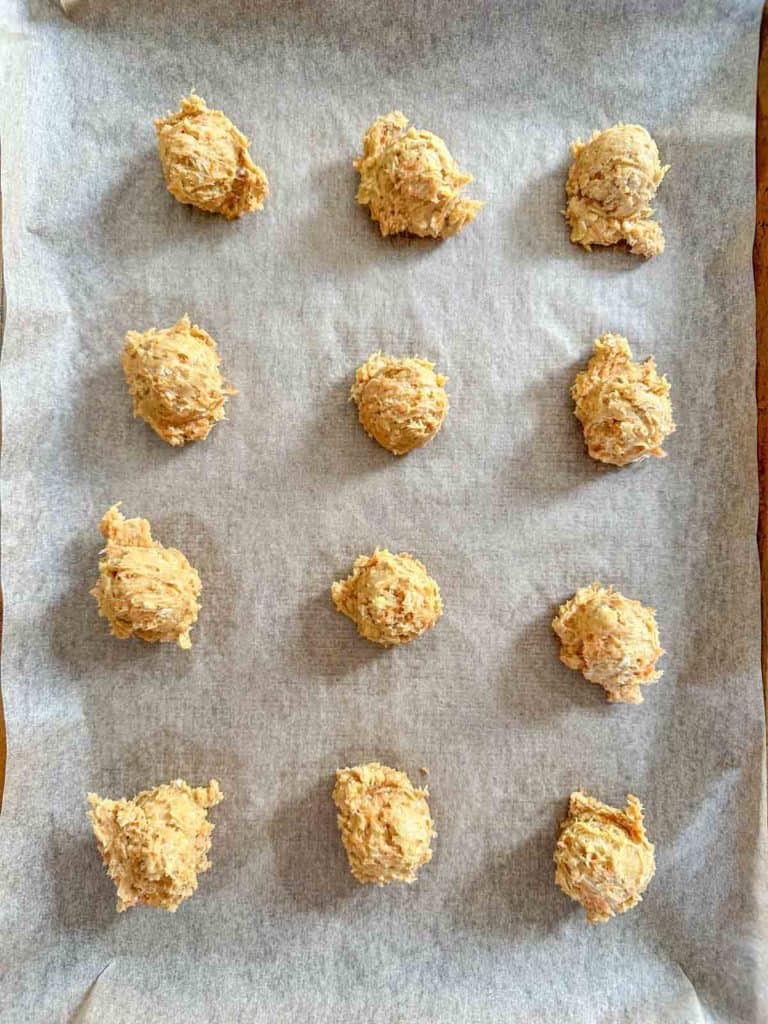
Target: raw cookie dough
point(144, 589)
point(206, 162)
point(174, 379)
point(384, 823)
point(389, 597)
point(611, 185)
point(603, 858)
point(624, 407)
point(155, 845)
point(401, 402)
point(611, 639)
point(410, 182)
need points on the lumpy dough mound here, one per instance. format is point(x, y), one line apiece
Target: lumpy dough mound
point(391, 598)
point(155, 845)
point(144, 589)
point(611, 640)
point(623, 407)
point(384, 823)
point(603, 858)
point(410, 182)
point(206, 162)
point(611, 184)
point(401, 402)
point(174, 379)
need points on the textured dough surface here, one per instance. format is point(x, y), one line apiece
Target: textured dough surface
point(155, 845)
point(610, 187)
point(623, 407)
point(384, 823)
point(144, 589)
point(206, 162)
point(174, 379)
point(603, 858)
point(612, 640)
point(401, 402)
point(410, 182)
point(391, 598)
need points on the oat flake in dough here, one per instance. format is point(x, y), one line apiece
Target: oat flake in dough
point(391, 598)
point(155, 845)
point(206, 162)
point(611, 184)
point(612, 640)
point(385, 824)
point(603, 858)
point(144, 589)
point(401, 402)
point(410, 182)
point(174, 379)
point(623, 407)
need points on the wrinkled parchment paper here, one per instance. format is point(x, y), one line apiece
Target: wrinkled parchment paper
point(505, 509)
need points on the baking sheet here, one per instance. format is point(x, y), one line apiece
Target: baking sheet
point(504, 508)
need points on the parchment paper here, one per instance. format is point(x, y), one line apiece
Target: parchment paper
point(505, 509)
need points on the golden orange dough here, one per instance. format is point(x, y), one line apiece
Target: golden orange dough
point(206, 162)
point(611, 184)
point(144, 589)
point(390, 598)
point(174, 379)
point(612, 640)
point(384, 823)
point(603, 858)
point(410, 182)
point(155, 845)
point(401, 402)
point(624, 407)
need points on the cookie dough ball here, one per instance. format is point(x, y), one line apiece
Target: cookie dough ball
point(401, 402)
point(144, 589)
point(390, 598)
point(624, 407)
point(174, 379)
point(384, 823)
point(206, 162)
point(603, 858)
point(611, 640)
point(611, 185)
point(155, 845)
point(410, 182)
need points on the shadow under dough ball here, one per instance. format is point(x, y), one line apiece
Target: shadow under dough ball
point(401, 403)
point(144, 589)
point(206, 162)
point(155, 845)
point(410, 182)
point(385, 824)
point(610, 187)
point(612, 640)
point(603, 858)
point(174, 380)
point(391, 598)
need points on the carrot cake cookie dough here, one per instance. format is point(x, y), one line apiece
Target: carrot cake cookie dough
point(390, 598)
point(612, 640)
point(401, 402)
point(410, 182)
point(623, 407)
point(611, 184)
point(145, 589)
point(155, 845)
point(384, 823)
point(206, 162)
point(174, 379)
point(603, 858)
